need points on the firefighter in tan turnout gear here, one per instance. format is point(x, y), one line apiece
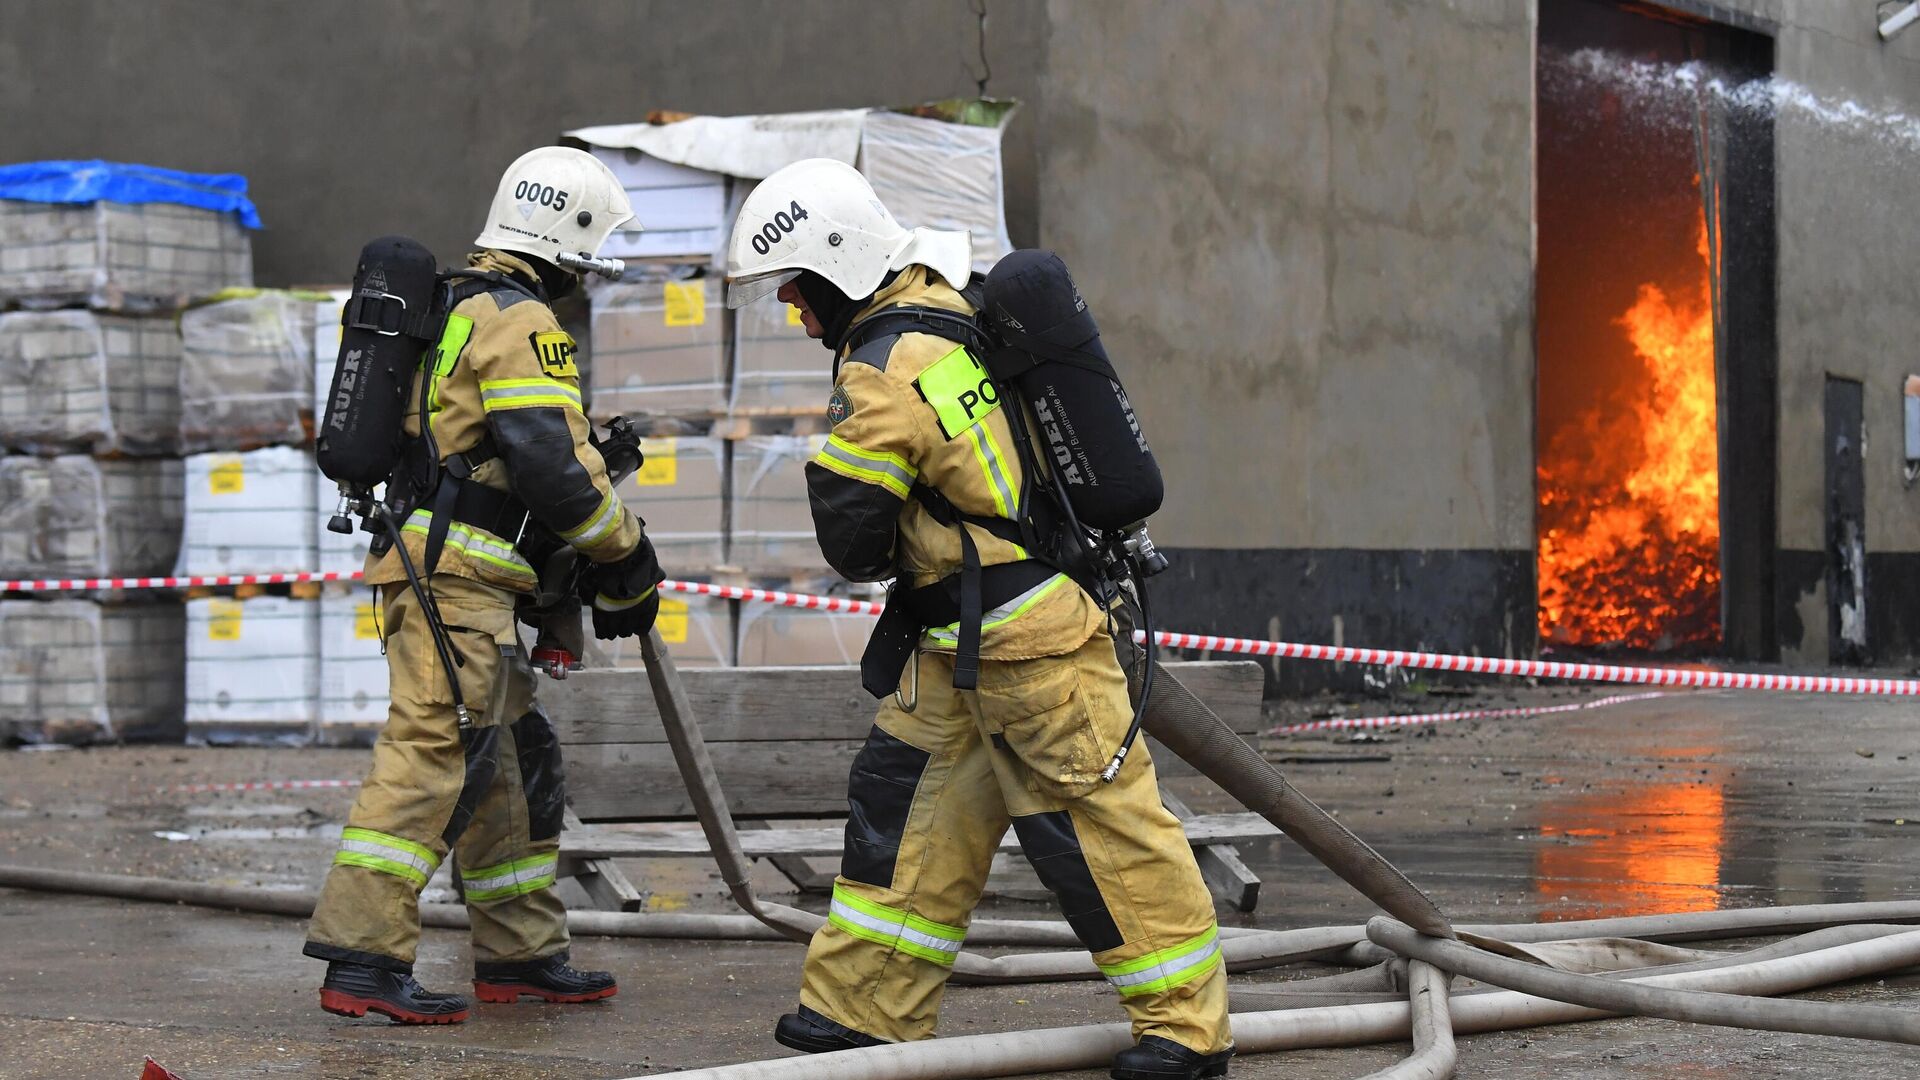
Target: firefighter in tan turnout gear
point(501, 395)
point(920, 436)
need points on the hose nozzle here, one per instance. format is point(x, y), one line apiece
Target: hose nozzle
point(581, 262)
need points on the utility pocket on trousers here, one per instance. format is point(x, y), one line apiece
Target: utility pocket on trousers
point(1039, 710)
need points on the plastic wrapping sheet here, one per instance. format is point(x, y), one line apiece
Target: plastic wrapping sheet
point(775, 363)
point(771, 636)
point(80, 671)
point(246, 372)
point(680, 493)
point(772, 529)
point(941, 175)
point(252, 671)
point(250, 513)
point(658, 345)
point(81, 517)
point(353, 672)
point(89, 382)
point(109, 255)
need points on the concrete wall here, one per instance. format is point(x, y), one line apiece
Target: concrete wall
point(1306, 229)
point(357, 117)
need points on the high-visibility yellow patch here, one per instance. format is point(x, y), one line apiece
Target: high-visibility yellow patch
point(671, 621)
point(660, 466)
point(223, 620)
point(227, 478)
point(686, 303)
point(555, 349)
point(960, 390)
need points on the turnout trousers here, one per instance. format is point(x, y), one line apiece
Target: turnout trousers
point(932, 793)
point(493, 795)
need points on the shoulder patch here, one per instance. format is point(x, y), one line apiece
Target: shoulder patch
point(507, 297)
point(960, 390)
point(555, 350)
point(839, 406)
point(874, 353)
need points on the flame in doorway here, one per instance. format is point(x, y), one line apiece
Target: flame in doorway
point(1629, 545)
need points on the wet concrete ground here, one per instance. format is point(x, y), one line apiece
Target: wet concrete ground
point(1686, 802)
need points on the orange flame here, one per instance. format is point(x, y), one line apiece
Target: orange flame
point(1629, 545)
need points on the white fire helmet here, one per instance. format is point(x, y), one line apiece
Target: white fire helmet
point(822, 215)
point(556, 199)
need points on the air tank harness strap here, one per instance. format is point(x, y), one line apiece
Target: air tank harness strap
point(459, 498)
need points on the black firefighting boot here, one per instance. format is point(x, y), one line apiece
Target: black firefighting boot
point(1155, 1058)
point(357, 989)
point(548, 978)
point(809, 1031)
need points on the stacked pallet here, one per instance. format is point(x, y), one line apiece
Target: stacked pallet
point(91, 480)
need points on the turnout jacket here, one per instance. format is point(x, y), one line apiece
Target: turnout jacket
point(503, 367)
point(923, 411)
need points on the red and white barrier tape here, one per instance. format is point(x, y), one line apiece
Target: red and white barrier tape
point(1479, 665)
point(262, 785)
point(1352, 722)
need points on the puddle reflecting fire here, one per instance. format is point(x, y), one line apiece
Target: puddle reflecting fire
point(1641, 850)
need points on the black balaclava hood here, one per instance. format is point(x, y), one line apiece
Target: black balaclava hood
point(833, 308)
point(553, 281)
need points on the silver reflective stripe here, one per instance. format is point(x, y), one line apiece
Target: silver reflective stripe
point(894, 929)
point(875, 464)
point(598, 529)
point(471, 542)
point(995, 469)
point(1002, 614)
point(1167, 970)
point(393, 854)
point(557, 389)
point(537, 870)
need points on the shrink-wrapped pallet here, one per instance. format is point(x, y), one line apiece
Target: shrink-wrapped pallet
point(141, 257)
point(774, 636)
point(89, 382)
point(79, 517)
point(775, 364)
point(679, 492)
point(659, 345)
point(942, 171)
point(252, 670)
point(250, 513)
point(699, 630)
point(77, 671)
point(246, 372)
point(353, 673)
point(772, 530)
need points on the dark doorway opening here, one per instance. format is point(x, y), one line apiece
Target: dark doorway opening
point(1655, 427)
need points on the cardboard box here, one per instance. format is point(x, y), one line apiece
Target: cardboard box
point(772, 636)
point(353, 673)
point(680, 493)
point(659, 345)
point(246, 372)
point(684, 210)
point(89, 382)
point(145, 257)
point(77, 671)
point(250, 513)
point(698, 631)
point(775, 363)
point(252, 671)
point(772, 522)
point(71, 516)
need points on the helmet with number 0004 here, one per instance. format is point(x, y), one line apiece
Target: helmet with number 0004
point(821, 215)
point(556, 199)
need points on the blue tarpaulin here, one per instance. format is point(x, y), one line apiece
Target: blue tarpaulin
point(92, 181)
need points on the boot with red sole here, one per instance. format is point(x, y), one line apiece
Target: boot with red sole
point(357, 989)
point(549, 979)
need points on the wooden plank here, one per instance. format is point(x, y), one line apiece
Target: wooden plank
point(684, 838)
point(639, 782)
point(778, 704)
point(1219, 863)
point(804, 877)
point(604, 882)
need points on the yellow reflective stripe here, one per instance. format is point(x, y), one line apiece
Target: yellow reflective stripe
point(385, 853)
point(1005, 613)
point(516, 878)
point(596, 528)
point(934, 942)
point(603, 602)
point(988, 456)
point(1160, 971)
point(888, 470)
point(472, 543)
point(498, 394)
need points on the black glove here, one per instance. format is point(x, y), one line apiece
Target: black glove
point(624, 595)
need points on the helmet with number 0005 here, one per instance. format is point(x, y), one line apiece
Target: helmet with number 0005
point(822, 215)
point(556, 199)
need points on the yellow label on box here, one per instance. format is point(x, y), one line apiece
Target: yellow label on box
point(228, 478)
point(366, 623)
point(686, 303)
point(793, 316)
point(223, 620)
point(672, 621)
point(662, 465)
